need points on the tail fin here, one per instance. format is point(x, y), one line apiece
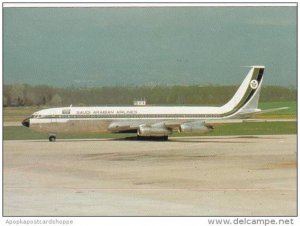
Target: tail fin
point(245, 100)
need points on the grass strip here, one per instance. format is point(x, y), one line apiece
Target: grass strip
point(246, 128)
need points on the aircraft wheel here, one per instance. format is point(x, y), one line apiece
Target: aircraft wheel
point(139, 137)
point(52, 138)
point(165, 138)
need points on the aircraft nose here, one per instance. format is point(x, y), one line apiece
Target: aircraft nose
point(26, 122)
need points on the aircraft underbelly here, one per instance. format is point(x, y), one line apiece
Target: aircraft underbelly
point(72, 126)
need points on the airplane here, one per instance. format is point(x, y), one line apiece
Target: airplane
point(150, 121)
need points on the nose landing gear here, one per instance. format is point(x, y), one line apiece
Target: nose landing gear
point(52, 137)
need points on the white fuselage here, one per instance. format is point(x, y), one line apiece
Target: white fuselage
point(159, 118)
point(99, 119)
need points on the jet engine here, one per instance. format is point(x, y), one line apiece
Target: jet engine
point(201, 127)
point(153, 131)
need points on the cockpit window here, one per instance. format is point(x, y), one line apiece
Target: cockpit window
point(35, 116)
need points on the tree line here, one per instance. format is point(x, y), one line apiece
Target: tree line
point(43, 95)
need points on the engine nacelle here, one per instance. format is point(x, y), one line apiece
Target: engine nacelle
point(149, 131)
point(199, 127)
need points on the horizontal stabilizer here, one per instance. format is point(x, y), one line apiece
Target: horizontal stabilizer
point(271, 110)
point(250, 113)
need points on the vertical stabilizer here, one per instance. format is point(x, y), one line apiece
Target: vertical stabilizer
point(246, 97)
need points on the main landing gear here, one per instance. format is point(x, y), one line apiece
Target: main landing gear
point(160, 138)
point(52, 137)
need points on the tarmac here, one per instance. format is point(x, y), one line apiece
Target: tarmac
point(186, 176)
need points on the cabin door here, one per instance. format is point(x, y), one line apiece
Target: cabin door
point(53, 119)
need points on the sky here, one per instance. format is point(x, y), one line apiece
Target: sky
point(148, 46)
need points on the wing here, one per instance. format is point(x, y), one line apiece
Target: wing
point(163, 128)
